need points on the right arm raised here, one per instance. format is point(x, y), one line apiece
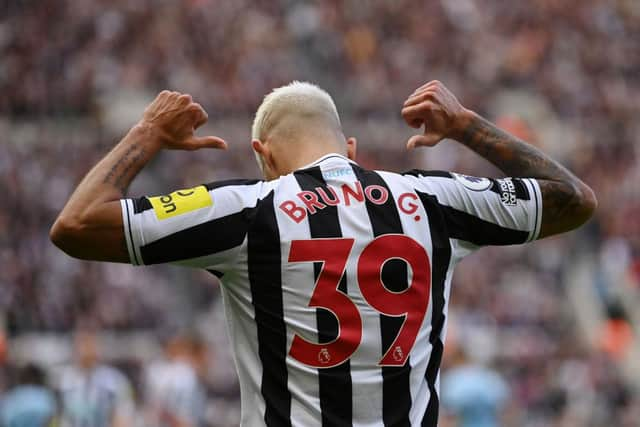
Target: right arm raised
point(567, 201)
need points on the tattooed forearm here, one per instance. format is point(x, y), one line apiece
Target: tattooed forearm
point(115, 171)
point(121, 172)
point(511, 155)
point(93, 212)
point(567, 201)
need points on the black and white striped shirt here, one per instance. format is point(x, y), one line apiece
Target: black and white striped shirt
point(335, 280)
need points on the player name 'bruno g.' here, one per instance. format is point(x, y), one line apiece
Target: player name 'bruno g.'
point(347, 194)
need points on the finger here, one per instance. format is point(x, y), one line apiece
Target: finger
point(164, 99)
point(413, 120)
point(427, 94)
point(416, 113)
point(412, 117)
point(420, 109)
point(423, 87)
point(200, 115)
point(159, 98)
point(429, 84)
point(185, 99)
point(200, 120)
point(427, 140)
point(170, 100)
point(197, 142)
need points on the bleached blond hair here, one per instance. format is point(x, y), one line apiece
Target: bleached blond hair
point(297, 98)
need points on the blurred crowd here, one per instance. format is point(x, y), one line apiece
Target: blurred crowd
point(564, 75)
point(86, 390)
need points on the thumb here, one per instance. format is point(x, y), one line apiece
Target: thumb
point(426, 140)
point(197, 142)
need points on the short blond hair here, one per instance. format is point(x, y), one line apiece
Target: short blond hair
point(295, 98)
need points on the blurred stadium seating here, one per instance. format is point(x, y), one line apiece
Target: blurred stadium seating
point(557, 319)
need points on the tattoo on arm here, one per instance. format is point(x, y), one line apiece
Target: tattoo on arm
point(511, 155)
point(120, 173)
point(567, 201)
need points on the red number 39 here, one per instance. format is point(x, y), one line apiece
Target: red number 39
point(411, 303)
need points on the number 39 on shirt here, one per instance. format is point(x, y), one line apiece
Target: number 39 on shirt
point(411, 303)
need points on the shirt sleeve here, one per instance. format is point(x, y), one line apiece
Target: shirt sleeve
point(203, 226)
point(485, 211)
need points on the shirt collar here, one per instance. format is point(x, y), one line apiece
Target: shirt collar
point(325, 157)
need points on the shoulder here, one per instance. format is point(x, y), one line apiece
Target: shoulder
point(422, 179)
point(67, 377)
point(111, 377)
point(249, 191)
point(421, 173)
point(473, 183)
point(233, 183)
point(176, 374)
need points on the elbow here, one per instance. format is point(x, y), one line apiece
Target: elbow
point(586, 204)
point(568, 205)
point(65, 234)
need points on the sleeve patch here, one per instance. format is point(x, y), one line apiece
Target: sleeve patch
point(180, 202)
point(508, 195)
point(473, 183)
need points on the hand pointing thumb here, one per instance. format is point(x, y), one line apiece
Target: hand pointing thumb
point(198, 142)
point(428, 139)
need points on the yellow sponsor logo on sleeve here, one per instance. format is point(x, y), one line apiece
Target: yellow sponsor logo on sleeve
point(180, 202)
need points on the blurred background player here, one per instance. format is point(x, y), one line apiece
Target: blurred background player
point(93, 394)
point(30, 403)
point(173, 393)
point(474, 394)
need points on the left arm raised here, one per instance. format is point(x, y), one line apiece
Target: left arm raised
point(90, 225)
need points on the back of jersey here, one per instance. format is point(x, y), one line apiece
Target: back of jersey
point(356, 287)
point(336, 280)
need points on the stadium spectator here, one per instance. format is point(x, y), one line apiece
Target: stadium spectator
point(92, 393)
point(30, 403)
point(475, 394)
point(174, 396)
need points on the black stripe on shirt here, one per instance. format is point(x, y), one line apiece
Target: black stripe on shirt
point(227, 182)
point(141, 204)
point(470, 228)
point(209, 237)
point(217, 273)
point(521, 189)
point(396, 390)
point(422, 173)
point(440, 259)
point(264, 259)
point(334, 383)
